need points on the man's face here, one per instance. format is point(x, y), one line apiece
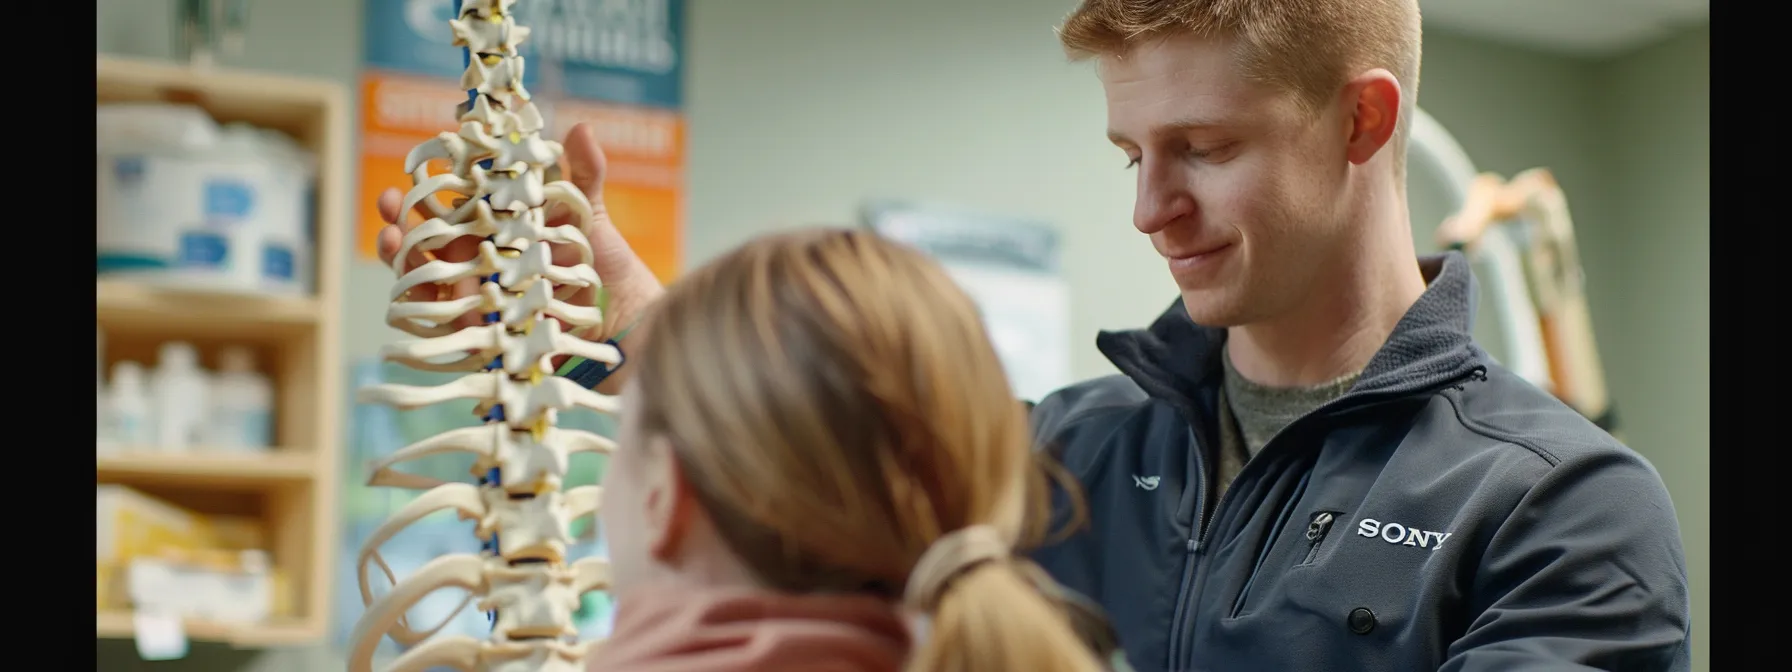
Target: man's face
point(1239, 188)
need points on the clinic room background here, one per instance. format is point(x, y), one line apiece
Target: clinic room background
point(772, 114)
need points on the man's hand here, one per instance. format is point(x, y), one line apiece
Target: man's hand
point(627, 281)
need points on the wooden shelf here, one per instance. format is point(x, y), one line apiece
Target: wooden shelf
point(205, 467)
point(292, 104)
point(120, 625)
point(295, 340)
point(135, 307)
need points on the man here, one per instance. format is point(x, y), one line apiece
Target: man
point(1306, 463)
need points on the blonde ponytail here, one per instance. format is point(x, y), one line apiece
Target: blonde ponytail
point(993, 617)
point(986, 610)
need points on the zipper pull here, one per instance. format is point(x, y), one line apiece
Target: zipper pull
point(1316, 531)
point(1194, 545)
point(1320, 525)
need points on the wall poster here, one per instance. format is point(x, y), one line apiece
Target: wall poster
point(617, 65)
point(1010, 267)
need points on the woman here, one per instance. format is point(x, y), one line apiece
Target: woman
point(822, 466)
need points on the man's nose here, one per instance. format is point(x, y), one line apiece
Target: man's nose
point(1162, 199)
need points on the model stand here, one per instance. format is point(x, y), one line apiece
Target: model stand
point(498, 167)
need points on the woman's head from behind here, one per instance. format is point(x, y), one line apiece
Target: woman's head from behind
point(809, 413)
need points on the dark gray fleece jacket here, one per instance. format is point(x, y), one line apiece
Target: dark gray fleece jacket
point(1444, 514)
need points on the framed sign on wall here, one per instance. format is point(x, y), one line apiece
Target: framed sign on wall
point(1010, 267)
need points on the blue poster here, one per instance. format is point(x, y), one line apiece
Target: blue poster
point(629, 52)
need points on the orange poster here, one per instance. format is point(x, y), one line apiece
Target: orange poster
point(643, 185)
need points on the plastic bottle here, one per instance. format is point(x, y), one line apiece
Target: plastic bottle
point(242, 403)
point(179, 389)
point(128, 407)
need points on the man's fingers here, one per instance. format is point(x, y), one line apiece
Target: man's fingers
point(560, 215)
point(585, 162)
point(467, 287)
point(390, 200)
point(464, 248)
point(563, 254)
point(390, 239)
point(583, 165)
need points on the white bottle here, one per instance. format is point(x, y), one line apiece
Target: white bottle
point(242, 403)
point(128, 406)
point(179, 390)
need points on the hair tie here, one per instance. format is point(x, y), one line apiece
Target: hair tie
point(949, 557)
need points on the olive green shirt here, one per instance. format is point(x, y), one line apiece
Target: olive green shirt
point(1251, 414)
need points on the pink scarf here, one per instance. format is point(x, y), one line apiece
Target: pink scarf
point(670, 628)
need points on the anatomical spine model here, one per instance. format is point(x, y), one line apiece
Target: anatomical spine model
point(498, 167)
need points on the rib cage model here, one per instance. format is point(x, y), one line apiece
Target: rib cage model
point(499, 164)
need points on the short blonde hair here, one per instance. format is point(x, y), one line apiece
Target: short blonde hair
point(1307, 47)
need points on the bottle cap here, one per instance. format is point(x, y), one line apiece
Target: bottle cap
point(127, 377)
point(177, 354)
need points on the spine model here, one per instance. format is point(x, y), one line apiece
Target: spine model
point(520, 508)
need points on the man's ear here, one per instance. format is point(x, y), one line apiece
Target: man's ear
point(1372, 110)
point(668, 501)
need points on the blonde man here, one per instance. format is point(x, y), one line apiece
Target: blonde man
point(1306, 463)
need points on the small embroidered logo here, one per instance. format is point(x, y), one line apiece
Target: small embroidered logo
point(1145, 482)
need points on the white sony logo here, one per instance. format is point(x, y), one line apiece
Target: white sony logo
point(1395, 533)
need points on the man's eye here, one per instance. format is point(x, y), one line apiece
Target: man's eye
point(1208, 153)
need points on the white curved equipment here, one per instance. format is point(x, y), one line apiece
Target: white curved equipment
point(1497, 259)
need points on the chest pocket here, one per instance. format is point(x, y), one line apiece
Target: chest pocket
point(1301, 535)
point(1357, 584)
point(1313, 545)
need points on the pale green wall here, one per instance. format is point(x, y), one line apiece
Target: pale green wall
point(1655, 139)
point(799, 108)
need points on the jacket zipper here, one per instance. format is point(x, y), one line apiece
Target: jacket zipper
point(1317, 529)
point(1188, 560)
point(1181, 620)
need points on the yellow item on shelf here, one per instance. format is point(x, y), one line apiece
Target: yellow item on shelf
point(236, 533)
point(131, 525)
point(104, 587)
point(151, 552)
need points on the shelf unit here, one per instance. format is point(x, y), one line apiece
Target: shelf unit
point(279, 632)
point(293, 489)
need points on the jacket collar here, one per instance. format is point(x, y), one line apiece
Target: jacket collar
point(1432, 344)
